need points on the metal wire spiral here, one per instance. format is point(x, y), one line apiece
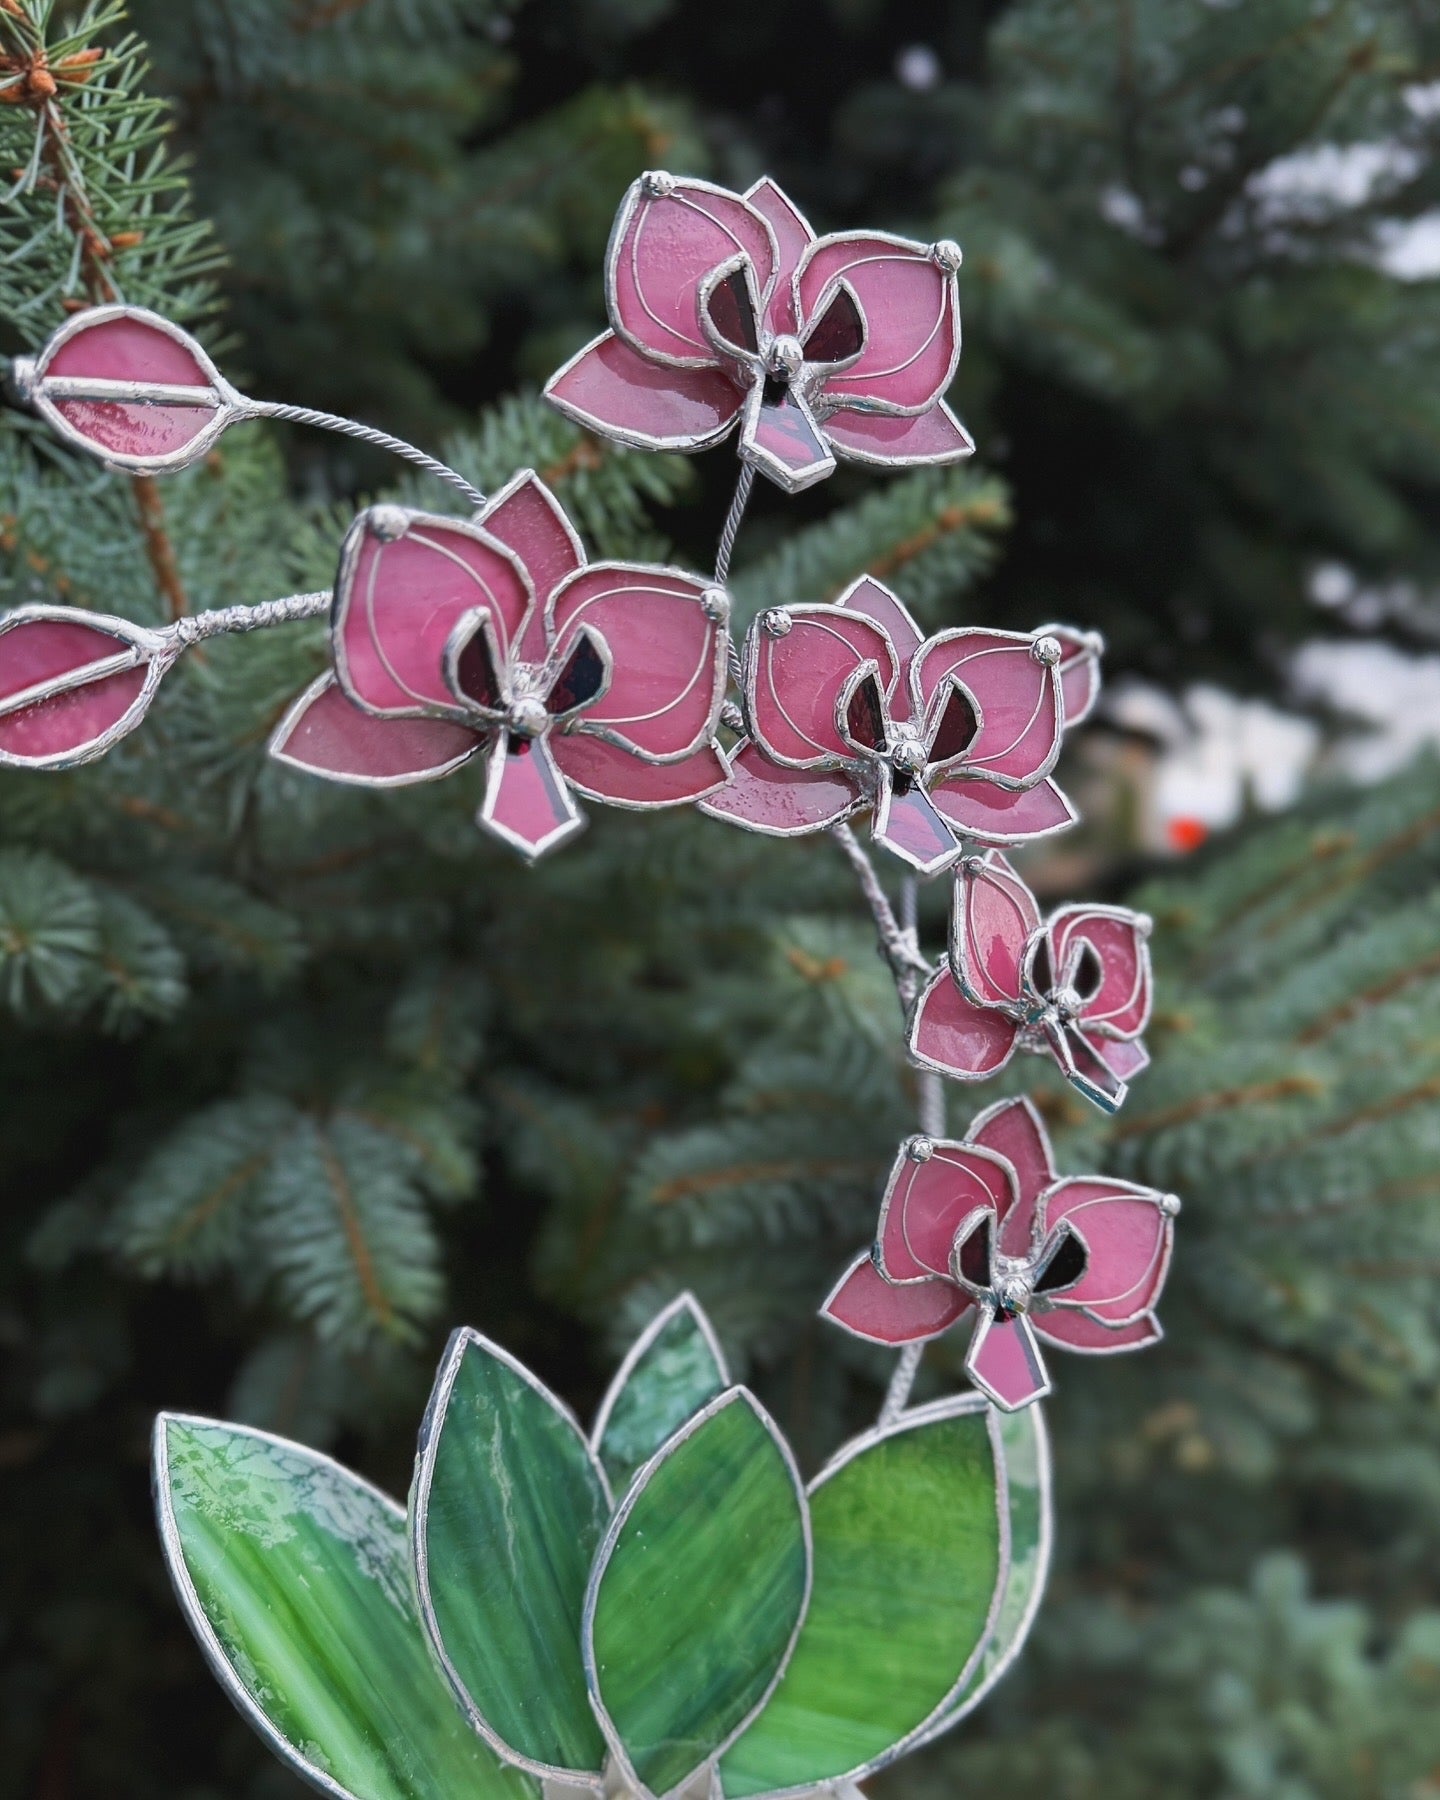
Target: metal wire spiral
point(382, 440)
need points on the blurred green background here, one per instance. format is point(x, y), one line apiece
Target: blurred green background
point(293, 1079)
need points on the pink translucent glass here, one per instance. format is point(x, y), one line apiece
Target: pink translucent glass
point(142, 430)
point(1079, 672)
point(1121, 1005)
point(1012, 1129)
point(889, 612)
point(909, 304)
point(1017, 701)
point(926, 1203)
point(526, 798)
point(780, 800)
point(131, 350)
point(996, 815)
point(785, 431)
point(663, 648)
point(528, 519)
point(1122, 1057)
point(799, 678)
point(909, 826)
point(793, 236)
point(951, 1033)
point(615, 390)
point(996, 914)
point(402, 600)
point(664, 250)
point(1078, 1332)
point(329, 735)
point(870, 1307)
point(35, 651)
point(609, 773)
point(1005, 1362)
point(1128, 1236)
point(935, 435)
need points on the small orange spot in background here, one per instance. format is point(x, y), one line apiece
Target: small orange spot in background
point(1184, 833)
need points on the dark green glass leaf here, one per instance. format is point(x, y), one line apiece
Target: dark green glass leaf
point(1026, 1447)
point(507, 1511)
point(673, 1368)
point(294, 1576)
point(907, 1564)
point(697, 1591)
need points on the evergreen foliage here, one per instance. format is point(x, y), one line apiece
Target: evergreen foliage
point(293, 1077)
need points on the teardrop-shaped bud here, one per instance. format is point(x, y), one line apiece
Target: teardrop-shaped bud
point(129, 387)
point(72, 684)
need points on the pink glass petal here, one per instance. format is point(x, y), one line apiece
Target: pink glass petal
point(1120, 1006)
point(798, 677)
point(866, 1305)
point(994, 915)
point(1016, 700)
point(1124, 1057)
point(528, 803)
point(996, 815)
point(1004, 1362)
point(913, 315)
point(962, 1040)
point(612, 389)
point(781, 802)
point(926, 1203)
point(399, 599)
point(781, 438)
point(1077, 1332)
point(1083, 1067)
point(605, 772)
point(528, 518)
point(129, 348)
point(87, 663)
point(667, 655)
point(1079, 670)
point(326, 734)
point(793, 238)
point(1128, 1235)
point(663, 247)
point(874, 599)
point(933, 436)
point(908, 826)
point(1013, 1129)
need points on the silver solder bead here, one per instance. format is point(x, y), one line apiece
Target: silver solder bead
point(947, 255)
point(715, 604)
point(920, 1148)
point(1046, 650)
point(731, 717)
point(1170, 1205)
point(387, 523)
point(657, 183)
point(786, 356)
point(775, 622)
point(972, 865)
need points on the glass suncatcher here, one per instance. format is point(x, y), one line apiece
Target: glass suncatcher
point(664, 1607)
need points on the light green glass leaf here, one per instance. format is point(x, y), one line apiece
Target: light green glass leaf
point(1026, 1447)
point(506, 1514)
point(909, 1559)
point(673, 1368)
point(293, 1575)
point(697, 1592)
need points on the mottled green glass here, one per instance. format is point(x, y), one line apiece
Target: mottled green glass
point(515, 1512)
point(701, 1593)
point(907, 1557)
point(1022, 1438)
point(668, 1376)
point(299, 1575)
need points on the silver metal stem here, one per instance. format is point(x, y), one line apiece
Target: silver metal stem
point(901, 1382)
point(728, 534)
point(929, 1085)
point(897, 945)
point(195, 627)
point(367, 434)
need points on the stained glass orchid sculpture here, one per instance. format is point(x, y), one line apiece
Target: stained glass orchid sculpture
point(851, 706)
point(727, 309)
point(1075, 986)
point(986, 1226)
point(658, 1608)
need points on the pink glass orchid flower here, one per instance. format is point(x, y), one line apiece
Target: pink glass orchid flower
point(849, 705)
point(1076, 985)
point(1076, 1260)
point(727, 308)
point(453, 638)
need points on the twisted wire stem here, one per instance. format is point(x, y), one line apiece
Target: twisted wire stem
point(194, 628)
point(369, 434)
point(728, 534)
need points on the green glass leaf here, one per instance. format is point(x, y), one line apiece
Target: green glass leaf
point(697, 1592)
point(294, 1576)
point(506, 1513)
point(1026, 1447)
point(673, 1368)
point(908, 1566)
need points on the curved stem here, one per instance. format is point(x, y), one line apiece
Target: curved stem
point(367, 434)
point(901, 1382)
point(897, 944)
point(196, 627)
point(728, 534)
